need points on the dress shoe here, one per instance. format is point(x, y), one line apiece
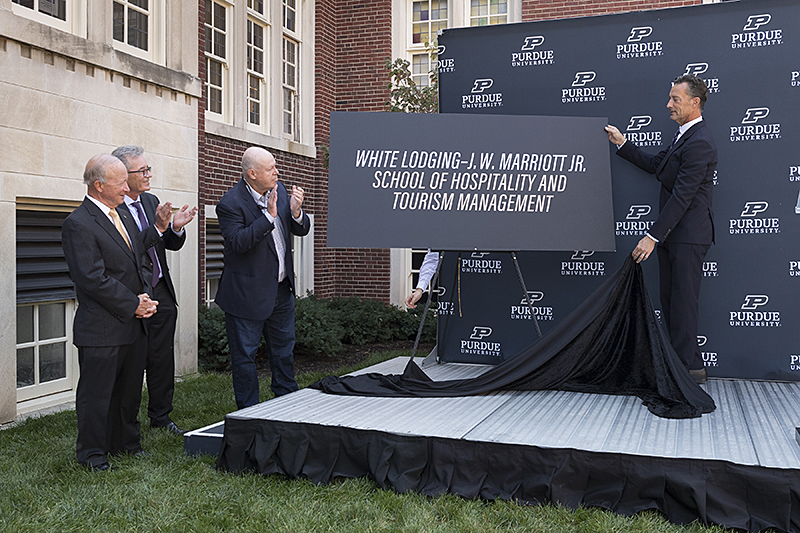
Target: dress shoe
point(100, 467)
point(171, 427)
point(700, 375)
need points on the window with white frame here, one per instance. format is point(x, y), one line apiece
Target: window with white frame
point(43, 348)
point(302, 257)
point(420, 69)
point(290, 88)
point(417, 258)
point(427, 18)
point(132, 23)
point(289, 59)
point(45, 295)
point(259, 87)
point(255, 71)
point(424, 19)
point(51, 8)
point(290, 15)
point(488, 12)
point(216, 28)
point(66, 15)
point(139, 28)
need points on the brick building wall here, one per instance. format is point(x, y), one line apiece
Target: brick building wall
point(552, 9)
point(325, 101)
point(363, 44)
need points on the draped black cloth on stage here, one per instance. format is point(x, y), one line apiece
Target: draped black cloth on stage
point(611, 344)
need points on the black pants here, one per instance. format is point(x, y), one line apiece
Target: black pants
point(160, 362)
point(107, 400)
point(680, 268)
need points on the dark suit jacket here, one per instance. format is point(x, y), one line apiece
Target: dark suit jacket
point(249, 282)
point(168, 241)
point(108, 276)
point(686, 173)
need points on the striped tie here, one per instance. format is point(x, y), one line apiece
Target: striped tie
point(152, 250)
point(675, 139)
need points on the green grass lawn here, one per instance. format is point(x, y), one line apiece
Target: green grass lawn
point(43, 488)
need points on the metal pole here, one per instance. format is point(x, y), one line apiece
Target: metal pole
point(525, 291)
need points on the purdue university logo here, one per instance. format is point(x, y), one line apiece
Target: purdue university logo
point(523, 310)
point(477, 345)
point(580, 265)
point(751, 221)
point(755, 34)
point(580, 92)
point(637, 47)
point(637, 133)
point(530, 55)
point(751, 314)
point(754, 127)
point(480, 97)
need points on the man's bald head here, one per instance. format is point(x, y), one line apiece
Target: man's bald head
point(258, 166)
point(253, 156)
point(105, 177)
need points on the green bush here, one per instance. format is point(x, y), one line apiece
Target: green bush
point(364, 321)
point(316, 327)
point(369, 321)
point(410, 324)
point(213, 353)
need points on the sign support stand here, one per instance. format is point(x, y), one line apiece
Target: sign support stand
point(433, 357)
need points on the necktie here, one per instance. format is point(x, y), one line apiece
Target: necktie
point(675, 138)
point(150, 251)
point(118, 225)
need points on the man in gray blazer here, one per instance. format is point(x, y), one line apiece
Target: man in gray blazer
point(153, 221)
point(257, 218)
point(106, 264)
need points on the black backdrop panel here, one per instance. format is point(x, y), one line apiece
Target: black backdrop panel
point(620, 67)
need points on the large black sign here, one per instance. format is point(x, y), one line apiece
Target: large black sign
point(621, 66)
point(465, 182)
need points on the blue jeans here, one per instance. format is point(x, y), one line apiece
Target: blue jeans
point(244, 336)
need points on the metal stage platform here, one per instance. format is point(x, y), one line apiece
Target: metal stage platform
point(738, 466)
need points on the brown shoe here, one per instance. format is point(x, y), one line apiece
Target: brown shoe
point(700, 375)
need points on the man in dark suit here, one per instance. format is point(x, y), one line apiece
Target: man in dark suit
point(106, 264)
point(684, 229)
point(153, 220)
point(256, 291)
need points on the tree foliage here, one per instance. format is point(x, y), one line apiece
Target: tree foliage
point(405, 95)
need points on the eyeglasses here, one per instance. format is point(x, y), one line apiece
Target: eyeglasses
point(143, 170)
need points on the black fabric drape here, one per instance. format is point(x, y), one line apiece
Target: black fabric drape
point(611, 344)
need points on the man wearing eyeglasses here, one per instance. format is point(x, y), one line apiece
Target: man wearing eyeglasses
point(153, 219)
